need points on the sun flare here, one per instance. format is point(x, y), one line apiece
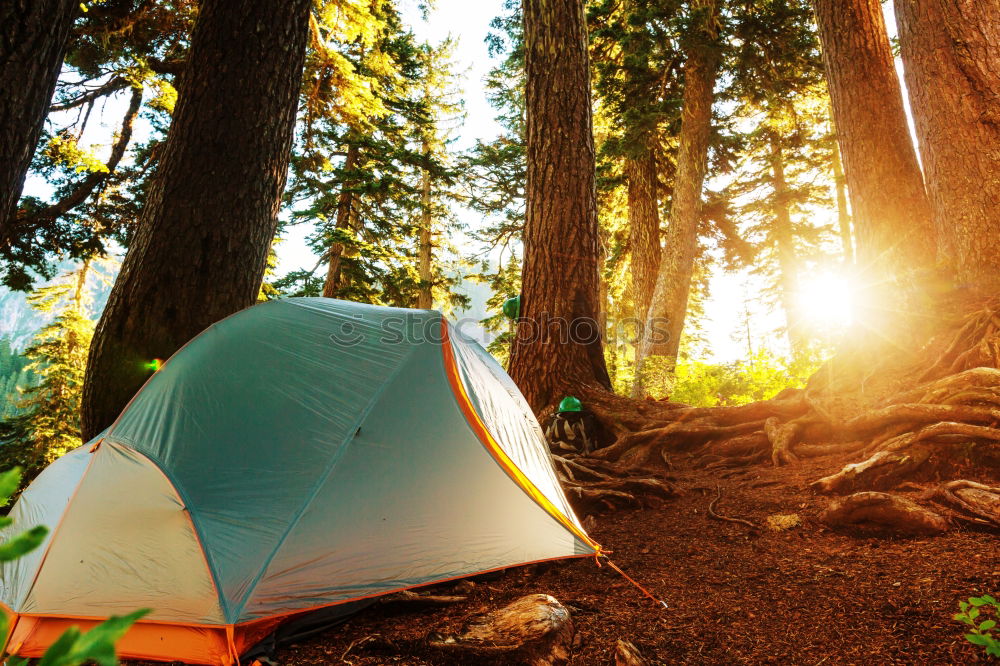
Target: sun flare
point(826, 299)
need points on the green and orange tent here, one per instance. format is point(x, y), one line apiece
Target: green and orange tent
point(300, 454)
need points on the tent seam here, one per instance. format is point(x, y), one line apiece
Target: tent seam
point(197, 532)
point(55, 532)
point(527, 486)
point(321, 480)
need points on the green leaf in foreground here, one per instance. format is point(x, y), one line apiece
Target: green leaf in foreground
point(23, 543)
point(97, 645)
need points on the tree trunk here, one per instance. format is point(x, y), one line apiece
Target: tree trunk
point(200, 248)
point(558, 344)
point(843, 214)
point(788, 262)
point(892, 218)
point(665, 320)
point(344, 204)
point(951, 53)
point(425, 298)
point(644, 230)
point(33, 36)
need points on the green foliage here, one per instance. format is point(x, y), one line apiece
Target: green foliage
point(760, 377)
point(74, 647)
point(114, 51)
point(983, 633)
point(14, 376)
point(66, 148)
point(367, 141)
point(47, 424)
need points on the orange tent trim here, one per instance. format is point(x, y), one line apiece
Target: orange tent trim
point(484, 435)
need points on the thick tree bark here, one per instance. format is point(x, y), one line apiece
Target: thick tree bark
point(892, 218)
point(644, 230)
point(201, 245)
point(784, 235)
point(425, 297)
point(665, 320)
point(558, 344)
point(951, 54)
point(843, 214)
point(344, 204)
point(33, 35)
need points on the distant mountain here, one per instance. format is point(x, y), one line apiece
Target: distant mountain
point(19, 322)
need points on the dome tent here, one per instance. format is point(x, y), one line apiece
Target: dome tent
point(299, 454)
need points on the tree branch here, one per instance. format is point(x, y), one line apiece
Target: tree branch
point(94, 179)
point(112, 20)
point(114, 85)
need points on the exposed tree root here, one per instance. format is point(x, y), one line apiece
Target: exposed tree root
point(907, 414)
point(976, 503)
point(884, 470)
point(594, 485)
point(416, 599)
point(718, 516)
point(883, 513)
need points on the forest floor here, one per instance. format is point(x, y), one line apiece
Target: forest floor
point(804, 595)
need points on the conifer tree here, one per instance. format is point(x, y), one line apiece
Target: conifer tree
point(637, 60)
point(47, 424)
point(786, 155)
point(125, 52)
point(558, 343)
point(665, 319)
point(201, 244)
point(952, 66)
point(14, 376)
point(891, 213)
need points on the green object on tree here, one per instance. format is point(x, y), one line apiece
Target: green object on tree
point(512, 307)
point(570, 404)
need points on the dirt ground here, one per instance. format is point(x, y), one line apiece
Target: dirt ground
point(805, 595)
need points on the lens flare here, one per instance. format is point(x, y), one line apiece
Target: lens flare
point(826, 300)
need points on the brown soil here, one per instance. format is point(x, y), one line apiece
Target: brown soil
point(736, 595)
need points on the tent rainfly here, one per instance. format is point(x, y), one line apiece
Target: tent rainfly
point(299, 454)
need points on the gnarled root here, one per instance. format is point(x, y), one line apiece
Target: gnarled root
point(595, 485)
point(882, 513)
point(882, 471)
point(977, 503)
point(781, 438)
point(909, 412)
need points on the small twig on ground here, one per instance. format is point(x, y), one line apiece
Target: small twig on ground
point(343, 657)
point(713, 514)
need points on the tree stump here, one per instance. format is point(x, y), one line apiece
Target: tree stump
point(535, 630)
point(882, 512)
